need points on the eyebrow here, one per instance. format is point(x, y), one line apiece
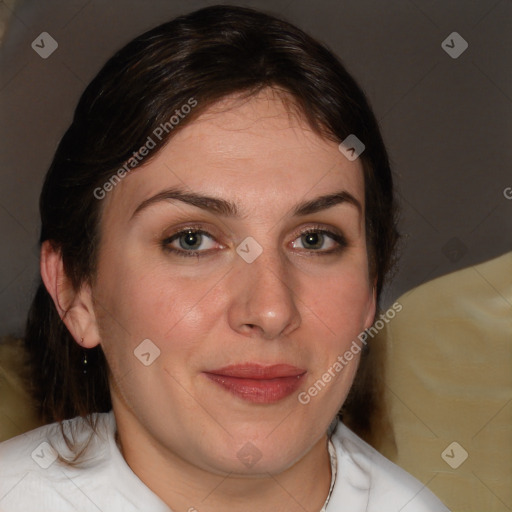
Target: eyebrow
point(328, 201)
point(229, 209)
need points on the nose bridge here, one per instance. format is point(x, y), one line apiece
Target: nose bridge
point(264, 299)
point(271, 273)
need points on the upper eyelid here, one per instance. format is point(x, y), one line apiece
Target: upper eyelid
point(183, 231)
point(198, 228)
point(328, 230)
point(204, 230)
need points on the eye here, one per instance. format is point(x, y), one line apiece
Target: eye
point(320, 240)
point(190, 242)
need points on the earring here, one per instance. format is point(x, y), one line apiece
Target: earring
point(84, 362)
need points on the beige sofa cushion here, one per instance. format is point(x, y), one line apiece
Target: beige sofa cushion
point(17, 412)
point(449, 380)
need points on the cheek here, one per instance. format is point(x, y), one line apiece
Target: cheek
point(342, 301)
point(147, 301)
point(141, 302)
point(339, 308)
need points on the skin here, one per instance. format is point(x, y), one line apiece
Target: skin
point(294, 304)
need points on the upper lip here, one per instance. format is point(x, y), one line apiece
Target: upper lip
point(258, 371)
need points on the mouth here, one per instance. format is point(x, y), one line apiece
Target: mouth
point(258, 383)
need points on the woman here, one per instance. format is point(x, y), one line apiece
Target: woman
point(217, 224)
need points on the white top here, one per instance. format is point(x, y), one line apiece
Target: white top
point(32, 480)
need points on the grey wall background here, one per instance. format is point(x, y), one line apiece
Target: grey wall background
point(446, 121)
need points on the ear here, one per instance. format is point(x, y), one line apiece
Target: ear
point(372, 306)
point(74, 307)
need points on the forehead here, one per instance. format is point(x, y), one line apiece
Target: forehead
point(254, 151)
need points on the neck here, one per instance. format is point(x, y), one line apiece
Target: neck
point(183, 486)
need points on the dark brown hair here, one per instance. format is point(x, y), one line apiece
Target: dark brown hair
point(206, 55)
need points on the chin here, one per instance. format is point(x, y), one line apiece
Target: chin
point(260, 453)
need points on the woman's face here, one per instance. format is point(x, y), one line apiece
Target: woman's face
point(240, 253)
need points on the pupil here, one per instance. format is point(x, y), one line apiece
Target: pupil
point(190, 240)
point(313, 239)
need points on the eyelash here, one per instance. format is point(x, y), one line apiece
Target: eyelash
point(336, 237)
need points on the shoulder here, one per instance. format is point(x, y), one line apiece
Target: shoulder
point(48, 446)
point(35, 474)
point(33, 468)
point(374, 483)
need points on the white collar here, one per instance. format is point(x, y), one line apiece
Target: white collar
point(334, 470)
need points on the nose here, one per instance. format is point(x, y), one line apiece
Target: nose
point(263, 303)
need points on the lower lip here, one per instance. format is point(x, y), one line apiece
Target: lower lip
point(259, 391)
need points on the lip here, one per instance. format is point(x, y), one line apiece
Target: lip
point(258, 383)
